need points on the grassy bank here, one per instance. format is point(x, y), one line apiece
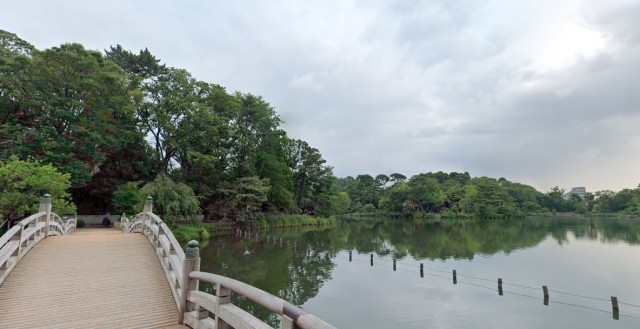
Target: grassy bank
point(188, 232)
point(293, 220)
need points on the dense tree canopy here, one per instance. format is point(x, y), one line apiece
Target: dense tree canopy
point(115, 121)
point(23, 183)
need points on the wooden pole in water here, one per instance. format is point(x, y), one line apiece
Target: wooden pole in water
point(455, 277)
point(394, 264)
point(349, 255)
point(616, 310)
point(500, 286)
point(371, 259)
point(421, 270)
point(545, 290)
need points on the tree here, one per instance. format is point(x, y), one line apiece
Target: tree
point(70, 107)
point(311, 177)
point(143, 65)
point(485, 197)
point(23, 183)
point(382, 180)
point(249, 195)
point(397, 178)
point(425, 192)
point(12, 43)
point(396, 197)
point(127, 198)
point(553, 200)
point(171, 201)
point(167, 106)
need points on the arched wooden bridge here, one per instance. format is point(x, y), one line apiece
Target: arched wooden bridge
point(52, 276)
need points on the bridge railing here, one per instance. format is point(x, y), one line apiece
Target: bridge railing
point(22, 237)
point(183, 274)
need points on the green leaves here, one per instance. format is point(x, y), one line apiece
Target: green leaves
point(22, 183)
point(172, 201)
point(111, 121)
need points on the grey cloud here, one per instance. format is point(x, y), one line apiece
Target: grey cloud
point(399, 86)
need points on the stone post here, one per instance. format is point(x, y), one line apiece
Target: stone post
point(45, 205)
point(191, 263)
point(148, 207)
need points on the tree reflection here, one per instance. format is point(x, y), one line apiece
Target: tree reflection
point(295, 264)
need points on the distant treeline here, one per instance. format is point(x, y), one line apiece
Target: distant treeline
point(458, 193)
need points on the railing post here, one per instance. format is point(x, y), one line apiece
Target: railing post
point(224, 297)
point(148, 207)
point(45, 205)
point(18, 237)
point(191, 263)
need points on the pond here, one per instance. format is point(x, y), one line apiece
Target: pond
point(583, 262)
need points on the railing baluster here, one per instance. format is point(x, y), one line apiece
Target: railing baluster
point(45, 205)
point(191, 263)
point(224, 297)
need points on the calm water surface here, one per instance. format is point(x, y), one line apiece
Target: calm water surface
point(583, 262)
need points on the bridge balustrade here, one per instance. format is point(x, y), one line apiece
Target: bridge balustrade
point(22, 237)
point(183, 274)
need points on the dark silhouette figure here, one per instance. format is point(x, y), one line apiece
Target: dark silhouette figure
point(106, 222)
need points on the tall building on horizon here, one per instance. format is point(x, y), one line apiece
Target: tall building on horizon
point(579, 191)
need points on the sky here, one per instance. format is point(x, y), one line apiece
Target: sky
point(545, 93)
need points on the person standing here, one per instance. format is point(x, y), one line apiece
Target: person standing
point(106, 222)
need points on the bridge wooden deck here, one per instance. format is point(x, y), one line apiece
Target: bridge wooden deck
point(93, 278)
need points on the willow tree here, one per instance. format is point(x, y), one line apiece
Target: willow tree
point(172, 201)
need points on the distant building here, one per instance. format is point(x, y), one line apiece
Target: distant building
point(579, 191)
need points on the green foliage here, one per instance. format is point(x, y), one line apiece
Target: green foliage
point(127, 198)
point(12, 43)
point(185, 233)
point(369, 208)
point(23, 183)
point(310, 175)
point(459, 195)
point(441, 193)
point(88, 115)
point(248, 196)
point(171, 201)
point(70, 107)
point(340, 203)
point(425, 192)
point(295, 220)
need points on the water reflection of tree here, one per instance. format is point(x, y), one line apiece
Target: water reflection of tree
point(297, 268)
point(294, 270)
point(463, 239)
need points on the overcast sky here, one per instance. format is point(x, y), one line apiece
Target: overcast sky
point(541, 92)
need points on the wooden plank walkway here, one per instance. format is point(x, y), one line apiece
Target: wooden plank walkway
point(93, 278)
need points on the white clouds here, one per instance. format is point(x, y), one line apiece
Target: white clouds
point(518, 89)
